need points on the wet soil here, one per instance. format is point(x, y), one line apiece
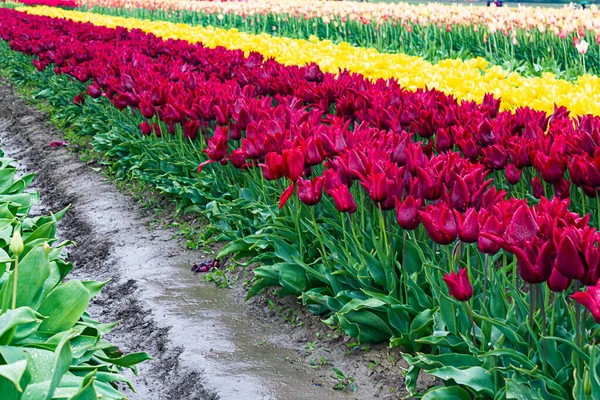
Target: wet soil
point(207, 343)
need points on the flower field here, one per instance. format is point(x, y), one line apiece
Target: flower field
point(447, 206)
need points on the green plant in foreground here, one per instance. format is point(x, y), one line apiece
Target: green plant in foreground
point(49, 346)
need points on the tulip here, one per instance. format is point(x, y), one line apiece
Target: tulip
point(342, 198)
point(513, 175)
point(310, 191)
point(468, 226)
point(489, 225)
point(79, 99)
point(285, 196)
point(407, 212)
point(558, 282)
point(146, 128)
point(94, 91)
point(538, 188)
point(568, 260)
point(313, 73)
point(590, 299)
point(293, 163)
point(440, 223)
point(238, 159)
point(522, 227)
point(459, 285)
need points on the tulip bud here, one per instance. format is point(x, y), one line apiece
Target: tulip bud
point(538, 188)
point(16, 243)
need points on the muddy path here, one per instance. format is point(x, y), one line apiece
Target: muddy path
point(207, 343)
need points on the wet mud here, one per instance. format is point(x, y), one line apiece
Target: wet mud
point(207, 343)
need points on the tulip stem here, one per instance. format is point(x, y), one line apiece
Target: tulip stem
point(543, 308)
point(577, 317)
point(15, 280)
point(472, 323)
point(485, 277)
point(314, 221)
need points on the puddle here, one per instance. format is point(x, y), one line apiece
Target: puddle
point(217, 335)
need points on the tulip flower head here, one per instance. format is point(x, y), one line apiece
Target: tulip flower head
point(590, 299)
point(459, 285)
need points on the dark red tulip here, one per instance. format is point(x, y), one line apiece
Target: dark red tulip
point(538, 188)
point(558, 282)
point(468, 226)
point(344, 202)
point(238, 158)
point(460, 194)
point(562, 189)
point(94, 91)
point(489, 225)
point(513, 175)
point(147, 110)
point(190, 129)
point(407, 213)
point(313, 73)
point(459, 285)
point(310, 191)
point(146, 128)
point(522, 227)
point(376, 186)
point(534, 262)
point(590, 299)
point(568, 260)
point(440, 223)
point(79, 100)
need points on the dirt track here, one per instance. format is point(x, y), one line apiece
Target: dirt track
point(207, 342)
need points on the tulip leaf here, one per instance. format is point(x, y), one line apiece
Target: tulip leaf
point(447, 393)
point(12, 372)
point(34, 269)
point(475, 378)
point(63, 306)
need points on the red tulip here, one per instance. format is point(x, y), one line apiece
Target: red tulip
point(407, 213)
point(293, 162)
point(538, 188)
point(513, 175)
point(440, 224)
point(285, 196)
point(344, 202)
point(568, 260)
point(590, 299)
point(557, 282)
point(459, 285)
point(468, 226)
point(146, 128)
point(310, 191)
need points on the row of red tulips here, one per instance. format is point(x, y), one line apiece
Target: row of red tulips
point(281, 114)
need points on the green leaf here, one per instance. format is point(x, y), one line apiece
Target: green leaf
point(475, 378)
point(63, 306)
point(34, 269)
point(446, 393)
point(13, 372)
